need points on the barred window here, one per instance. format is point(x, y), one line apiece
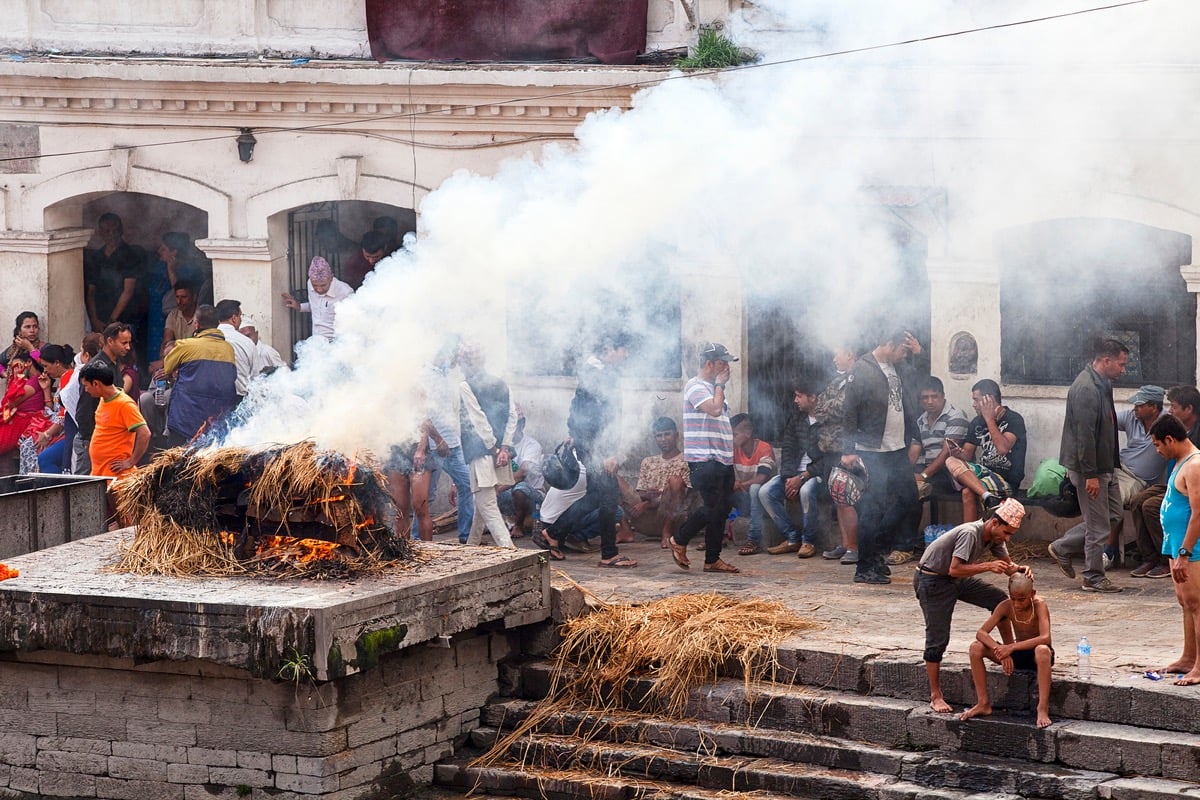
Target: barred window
point(1066, 283)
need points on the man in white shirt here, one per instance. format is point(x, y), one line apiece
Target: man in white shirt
point(324, 293)
point(269, 359)
point(245, 354)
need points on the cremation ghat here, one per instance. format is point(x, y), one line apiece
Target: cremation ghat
point(302, 687)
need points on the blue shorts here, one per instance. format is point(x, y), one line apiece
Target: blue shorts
point(505, 498)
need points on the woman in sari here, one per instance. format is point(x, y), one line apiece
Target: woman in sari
point(22, 410)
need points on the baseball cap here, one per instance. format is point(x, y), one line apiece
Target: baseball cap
point(713, 351)
point(1148, 394)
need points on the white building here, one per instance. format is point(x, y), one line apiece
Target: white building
point(153, 138)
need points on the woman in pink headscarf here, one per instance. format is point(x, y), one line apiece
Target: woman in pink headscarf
point(324, 293)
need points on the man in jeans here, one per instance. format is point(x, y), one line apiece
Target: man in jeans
point(880, 420)
point(1089, 452)
point(797, 471)
point(708, 449)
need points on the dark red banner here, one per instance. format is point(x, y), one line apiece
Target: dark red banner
point(613, 31)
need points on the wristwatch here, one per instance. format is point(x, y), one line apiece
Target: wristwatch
point(1185, 553)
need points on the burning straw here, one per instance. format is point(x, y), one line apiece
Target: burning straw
point(289, 511)
point(680, 643)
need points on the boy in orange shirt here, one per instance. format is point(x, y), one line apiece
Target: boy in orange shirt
point(121, 435)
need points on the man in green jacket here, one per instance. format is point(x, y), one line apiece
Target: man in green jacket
point(1090, 453)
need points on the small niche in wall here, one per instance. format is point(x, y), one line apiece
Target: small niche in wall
point(964, 354)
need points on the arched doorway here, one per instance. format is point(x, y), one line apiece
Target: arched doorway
point(144, 218)
point(1066, 282)
point(333, 230)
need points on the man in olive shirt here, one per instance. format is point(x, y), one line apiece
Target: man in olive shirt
point(946, 574)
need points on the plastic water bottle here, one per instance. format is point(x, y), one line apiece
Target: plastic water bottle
point(1084, 651)
point(160, 392)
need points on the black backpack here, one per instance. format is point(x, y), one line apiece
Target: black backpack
point(561, 468)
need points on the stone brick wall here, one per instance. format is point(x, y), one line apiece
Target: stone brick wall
point(77, 726)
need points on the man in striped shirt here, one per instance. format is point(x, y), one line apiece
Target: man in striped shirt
point(708, 449)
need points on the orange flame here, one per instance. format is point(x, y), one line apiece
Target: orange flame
point(7, 572)
point(290, 548)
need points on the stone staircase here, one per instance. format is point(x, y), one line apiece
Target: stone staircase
point(847, 726)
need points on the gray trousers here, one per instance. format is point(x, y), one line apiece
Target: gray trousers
point(1100, 513)
point(938, 595)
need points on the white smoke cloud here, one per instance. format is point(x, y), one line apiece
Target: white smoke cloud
point(757, 175)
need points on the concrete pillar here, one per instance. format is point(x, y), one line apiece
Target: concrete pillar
point(712, 310)
point(242, 272)
point(964, 295)
point(42, 272)
point(1191, 276)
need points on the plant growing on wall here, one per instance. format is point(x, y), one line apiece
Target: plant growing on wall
point(714, 50)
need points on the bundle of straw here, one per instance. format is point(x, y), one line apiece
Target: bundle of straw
point(185, 498)
point(681, 642)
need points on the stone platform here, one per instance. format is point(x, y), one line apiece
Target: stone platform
point(119, 686)
point(65, 601)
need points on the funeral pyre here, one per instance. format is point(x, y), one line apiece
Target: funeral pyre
point(288, 511)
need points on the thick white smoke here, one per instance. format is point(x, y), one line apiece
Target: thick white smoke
point(760, 181)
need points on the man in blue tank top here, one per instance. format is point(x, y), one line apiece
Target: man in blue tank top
point(1180, 516)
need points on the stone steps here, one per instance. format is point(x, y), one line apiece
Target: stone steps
point(906, 724)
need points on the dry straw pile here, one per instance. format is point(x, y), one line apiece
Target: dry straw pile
point(680, 643)
point(184, 500)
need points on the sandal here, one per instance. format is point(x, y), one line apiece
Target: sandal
point(721, 566)
point(618, 562)
point(679, 553)
point(749, 549)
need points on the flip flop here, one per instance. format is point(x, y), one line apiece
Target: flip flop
point(679, 553)
point(618, 562)
point(555, 554)
point(721, 566)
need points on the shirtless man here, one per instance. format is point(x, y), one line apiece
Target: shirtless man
point(1181, 529)
point(1030, 650)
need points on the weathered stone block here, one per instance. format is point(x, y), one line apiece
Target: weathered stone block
point(252, 760)
point(239, 776)
point(1157, 706)
point(137, 790)
point(1181, 758)
point(880, 720)
point(1144, 789)
point(135, 750)
point(1112, 748)
point(211, 757)
point(1005, 737)
point(187, 773)
point(23, 779)
point(66, 784)
point(92, 726)
point(18, 749)
point(184, 711)
point(36, 723)
point(306, 784)
point(72, 744)
point(844, 670)
point(127, 705)
point(59, 761)
point(163, 732)
point(1096, 702)
point(901, 675)
point(282, 763)
point(136, 769)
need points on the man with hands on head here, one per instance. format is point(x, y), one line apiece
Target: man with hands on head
point(948, 572)
point(989, 464)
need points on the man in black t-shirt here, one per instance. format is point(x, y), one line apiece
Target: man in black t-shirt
point(989, 464)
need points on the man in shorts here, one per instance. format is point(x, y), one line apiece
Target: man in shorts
point(989, 465)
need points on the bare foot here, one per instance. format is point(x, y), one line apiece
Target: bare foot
point(977, 710)
point(1043, 719)
point(1190, 679)
point(625, 538)
point(940, 706)
point(1179, 667)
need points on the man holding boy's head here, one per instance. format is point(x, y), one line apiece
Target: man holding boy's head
point(947, 574)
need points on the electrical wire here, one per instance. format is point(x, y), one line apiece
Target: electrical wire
point(704, 73)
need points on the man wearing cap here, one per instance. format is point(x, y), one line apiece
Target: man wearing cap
point(1089, 453)
point(708, 449)
point(324, 293)
point(269, 359)
point(947, 574)
point(1140, 467)
point(879, 421)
